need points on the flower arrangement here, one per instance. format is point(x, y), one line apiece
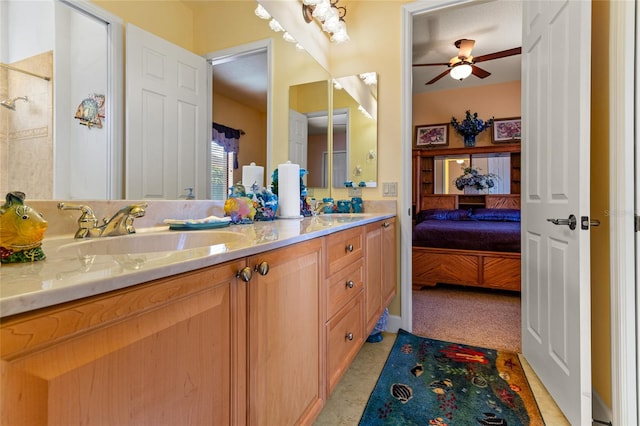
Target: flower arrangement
point(470, 126)
point(472, 177)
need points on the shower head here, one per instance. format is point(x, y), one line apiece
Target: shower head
point(11, 103)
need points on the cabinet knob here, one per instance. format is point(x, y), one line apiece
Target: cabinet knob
point(262, 268)
point(349, 336)
point(349, 248)
point(386, 224)
point(244, 274)
point(350, 284)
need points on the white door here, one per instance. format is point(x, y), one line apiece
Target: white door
point(298, 138)
point(168, 133)
point(555, 152)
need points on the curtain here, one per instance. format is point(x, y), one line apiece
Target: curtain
point(229, 139)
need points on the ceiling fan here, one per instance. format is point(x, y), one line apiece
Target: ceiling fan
point(463, 65)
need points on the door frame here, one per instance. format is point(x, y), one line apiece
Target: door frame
point(229, 54)
point(624, 120)
point(624, 302)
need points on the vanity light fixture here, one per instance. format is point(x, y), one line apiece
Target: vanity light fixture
point(262, 13)
point(369, 78)
point(460, 71)
point(329, 15)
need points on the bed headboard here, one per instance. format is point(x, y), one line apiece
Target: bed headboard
point(503, 201)
point(439, 201)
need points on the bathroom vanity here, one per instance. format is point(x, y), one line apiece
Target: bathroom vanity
point(257, 331)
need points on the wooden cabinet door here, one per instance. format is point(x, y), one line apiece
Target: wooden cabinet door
point(373, 277)
point(285, 341)
point(162, 353)
point(388, 261)
point(380, 275)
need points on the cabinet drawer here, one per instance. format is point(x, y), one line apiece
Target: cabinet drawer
point(343, 286)
point(345, 334)
point(344, 248)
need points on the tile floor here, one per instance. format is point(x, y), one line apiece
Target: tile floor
point(346, 404)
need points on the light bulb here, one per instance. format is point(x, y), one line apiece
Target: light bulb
point(460, 72)
point(275, 25)
point(262, 13)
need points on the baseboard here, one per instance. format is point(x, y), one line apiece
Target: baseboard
point(394, 323)
point(600, 410)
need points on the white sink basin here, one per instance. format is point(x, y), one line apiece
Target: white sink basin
point(152, 242)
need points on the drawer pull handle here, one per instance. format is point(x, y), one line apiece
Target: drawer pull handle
point(350, 284)
point(244, 274)
point(349, 336)
point(350, 248)
point(262, 268)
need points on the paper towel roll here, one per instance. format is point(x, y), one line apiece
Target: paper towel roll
point(289, 190)
point(252, 174)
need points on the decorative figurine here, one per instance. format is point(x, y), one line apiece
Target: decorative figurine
point(21, 231)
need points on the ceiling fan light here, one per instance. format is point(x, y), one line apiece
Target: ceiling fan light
point(460, 72)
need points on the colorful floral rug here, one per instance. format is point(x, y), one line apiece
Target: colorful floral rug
point(433, 382)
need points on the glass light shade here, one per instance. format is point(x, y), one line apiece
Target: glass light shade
point(275, 25)
point(369, 78)
point(340, 36)
point(322, 11)
point(332, 24)
point(262, 13)
point(288, 37)
point(460, 72)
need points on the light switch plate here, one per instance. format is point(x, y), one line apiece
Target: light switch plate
point(390, 189)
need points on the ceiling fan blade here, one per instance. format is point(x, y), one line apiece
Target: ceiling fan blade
point(465, 47)
point(429, 65)
point(439, 76)
point(497, 55)
point(479, 72)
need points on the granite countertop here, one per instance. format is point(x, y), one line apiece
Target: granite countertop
point(66, 275)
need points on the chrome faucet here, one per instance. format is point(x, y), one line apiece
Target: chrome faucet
point(121, 223)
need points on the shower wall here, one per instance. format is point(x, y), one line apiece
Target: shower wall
point(26, 134)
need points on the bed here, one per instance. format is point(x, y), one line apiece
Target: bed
point(467, 246)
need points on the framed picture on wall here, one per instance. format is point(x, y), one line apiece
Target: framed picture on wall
point(432, 135)
point(506, 130)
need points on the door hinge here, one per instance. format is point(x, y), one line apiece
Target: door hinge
point(636, 221)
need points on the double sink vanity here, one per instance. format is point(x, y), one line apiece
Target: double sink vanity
point(246, 324)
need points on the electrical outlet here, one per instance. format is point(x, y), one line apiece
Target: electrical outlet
point(390, 189)
point(355, 192)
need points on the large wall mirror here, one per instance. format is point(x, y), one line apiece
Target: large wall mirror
point(355, 99)
point(75, 171)
point(70, 144)
point(339, 144)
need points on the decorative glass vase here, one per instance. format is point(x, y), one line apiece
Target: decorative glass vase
point(470, 140)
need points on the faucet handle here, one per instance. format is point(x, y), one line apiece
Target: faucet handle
point(87, 220)
point(87, 213)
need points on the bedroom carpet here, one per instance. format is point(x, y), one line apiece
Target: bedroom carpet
point(477, 317)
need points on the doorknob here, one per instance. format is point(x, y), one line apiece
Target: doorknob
point(571, 222)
